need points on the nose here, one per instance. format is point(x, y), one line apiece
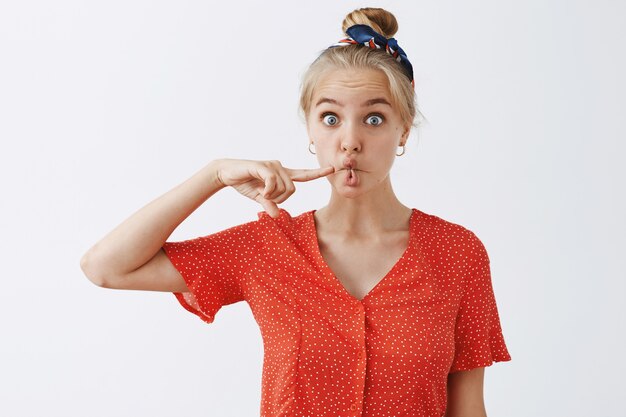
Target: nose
point(351, 139)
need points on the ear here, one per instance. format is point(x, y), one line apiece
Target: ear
point(406, 133)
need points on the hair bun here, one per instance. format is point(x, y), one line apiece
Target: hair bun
point(378, 19)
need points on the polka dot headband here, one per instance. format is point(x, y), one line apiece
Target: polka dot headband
point(365, 35)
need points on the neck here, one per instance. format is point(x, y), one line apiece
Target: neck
point(374, 213)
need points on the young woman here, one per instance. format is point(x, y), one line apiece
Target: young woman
point(367, 307)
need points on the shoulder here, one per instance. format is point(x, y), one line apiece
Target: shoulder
point(285, 224)
point(283, 216)
point(450, 238)
point(284, 219)
point(246, 234)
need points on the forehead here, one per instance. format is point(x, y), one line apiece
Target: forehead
point(352, 84)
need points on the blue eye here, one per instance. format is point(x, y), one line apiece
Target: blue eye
point(375, 120)
point(329, 119)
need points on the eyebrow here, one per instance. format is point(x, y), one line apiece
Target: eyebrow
point(371, 102)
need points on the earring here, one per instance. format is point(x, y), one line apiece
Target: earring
point(403, 149)
point(310, 148)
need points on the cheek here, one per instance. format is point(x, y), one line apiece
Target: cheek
point(315, 131)
point(325, 139)
point(383, 147)
point(385, 154)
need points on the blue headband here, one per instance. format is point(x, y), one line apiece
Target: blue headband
point(365, 35)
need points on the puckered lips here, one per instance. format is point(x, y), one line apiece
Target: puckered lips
point(349, 165)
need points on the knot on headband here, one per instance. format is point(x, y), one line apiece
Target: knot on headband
point(365, 35)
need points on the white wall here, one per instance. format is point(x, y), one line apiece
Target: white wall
point(104, 106)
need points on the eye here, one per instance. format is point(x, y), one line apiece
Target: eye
point(329, 119)
point(375, 119)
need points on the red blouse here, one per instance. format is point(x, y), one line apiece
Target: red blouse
point(327, 353)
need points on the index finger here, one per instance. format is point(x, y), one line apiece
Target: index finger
point(309, 174)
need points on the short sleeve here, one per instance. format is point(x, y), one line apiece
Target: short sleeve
point(214, 267)
point(479, 340)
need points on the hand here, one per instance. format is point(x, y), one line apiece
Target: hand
point(266, 182)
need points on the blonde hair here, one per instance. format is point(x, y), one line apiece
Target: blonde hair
point(362, 57)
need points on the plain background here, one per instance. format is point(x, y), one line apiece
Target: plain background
point(104, 106)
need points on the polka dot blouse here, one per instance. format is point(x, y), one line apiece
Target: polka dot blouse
point(327, 353)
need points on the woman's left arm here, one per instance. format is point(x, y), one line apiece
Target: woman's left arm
point(465, 394)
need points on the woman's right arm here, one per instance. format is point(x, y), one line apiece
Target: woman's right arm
point(130, 256)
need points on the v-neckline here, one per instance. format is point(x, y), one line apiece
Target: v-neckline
point(379, 283)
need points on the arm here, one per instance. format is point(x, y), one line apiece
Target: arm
point(130, 256)
point(465, 394)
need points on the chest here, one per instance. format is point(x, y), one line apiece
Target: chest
point(359, 265)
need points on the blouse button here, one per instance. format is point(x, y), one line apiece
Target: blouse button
point(360, 355)
point(353, 407)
